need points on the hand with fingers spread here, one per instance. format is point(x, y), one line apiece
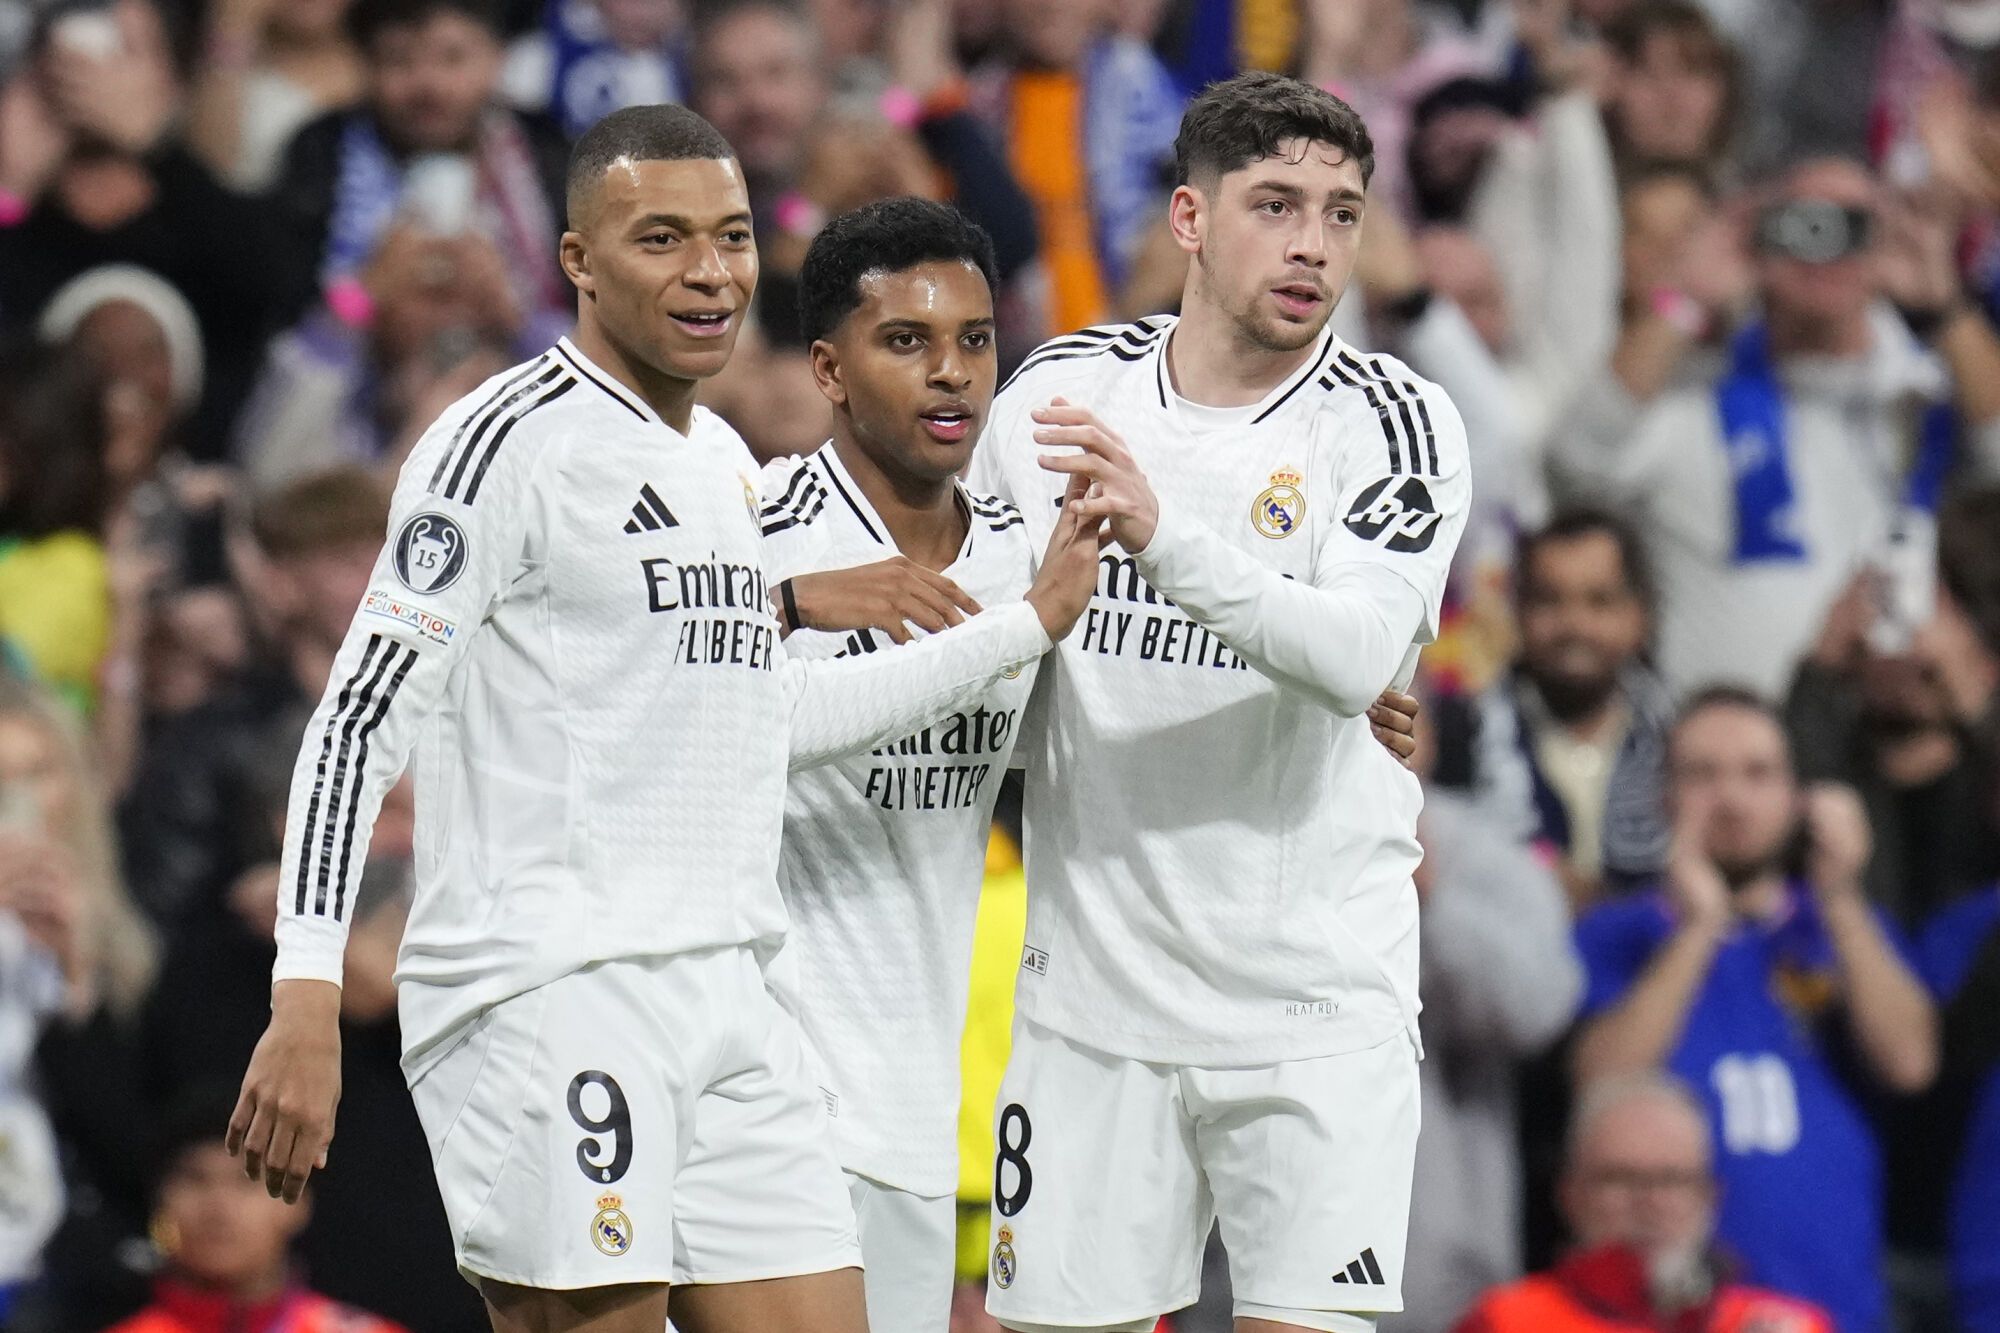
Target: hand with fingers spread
point(284, 1117)
point(1117, 492)
point(1393, 721)
point(1068, 573)
point(889, 595)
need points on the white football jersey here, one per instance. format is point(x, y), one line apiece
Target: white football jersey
point(1219, 864)
point(569, 638)
point(884, 852)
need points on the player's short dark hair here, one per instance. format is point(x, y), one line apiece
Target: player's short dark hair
point(666, 132)
point(1249, 117)
point(368, 19)
point(888, 236)
point(1571, 524)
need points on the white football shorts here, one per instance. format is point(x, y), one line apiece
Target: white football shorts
point(909, 1254)
point(1111, 1172)
point(641, 1120)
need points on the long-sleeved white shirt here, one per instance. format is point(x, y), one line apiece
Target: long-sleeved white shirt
point(568, 637)
point(1218, 852)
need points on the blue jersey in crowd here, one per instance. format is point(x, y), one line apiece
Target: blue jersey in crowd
point(1951, 945)
point(1800, 1169)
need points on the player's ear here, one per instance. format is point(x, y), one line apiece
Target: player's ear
point(575, 255)
point(1187, 217)
point(828, 373)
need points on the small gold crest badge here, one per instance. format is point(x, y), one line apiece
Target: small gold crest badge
point(611, 1229)
point(1003, 1259)
point(1278, 512)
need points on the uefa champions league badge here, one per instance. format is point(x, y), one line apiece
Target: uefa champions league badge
point(430, 553)
point(611, 1229)
point(1278, 512)
point(1003, 1259)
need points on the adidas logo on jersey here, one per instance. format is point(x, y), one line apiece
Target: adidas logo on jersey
point(1363, 1271)
point(651, 513)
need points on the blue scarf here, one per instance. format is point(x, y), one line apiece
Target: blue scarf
point(1751, 402)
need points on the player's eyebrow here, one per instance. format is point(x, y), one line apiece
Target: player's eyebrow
point(904, 323)
point(679, 223)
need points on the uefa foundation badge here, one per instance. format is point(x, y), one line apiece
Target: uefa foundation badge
point(611, 1229)
point(1003, 1259)
point(1278, 512)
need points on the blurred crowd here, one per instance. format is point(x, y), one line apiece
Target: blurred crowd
point(1711, 899)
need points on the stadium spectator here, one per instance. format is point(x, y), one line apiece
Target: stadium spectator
point(430, 148)
point(1750, 972)
point(55, 593)
point(1577, 733)
point(589, 58)
point(267, 68)
point(759, 74)
point(445, 316)
point(1501, 981)
point(1089, 116)
point(301, 570)
point(1906, 714)
point(1639, 1194)
point(95, 960)
point(1762, 479)
point(1675, 87)
point(1960, 957)
point(1809, 71)
point(93, 173)
point(226, 1245)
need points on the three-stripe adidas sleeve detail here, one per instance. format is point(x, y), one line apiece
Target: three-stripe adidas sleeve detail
point(1385, 540)
point(456, 538)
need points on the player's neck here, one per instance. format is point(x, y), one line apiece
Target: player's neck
point(1210, 363)
point(669, 395)
point(923, 516)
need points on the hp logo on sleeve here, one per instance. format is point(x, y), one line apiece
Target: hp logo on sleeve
point(1407, 519)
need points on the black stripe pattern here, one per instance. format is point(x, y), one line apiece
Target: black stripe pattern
point(996, 514)
point(333, 810)
point(802, 502)
point(1363, 1271)
point(650, 514)
point(486, 428)
point(1399, 407)
point(1127, 342)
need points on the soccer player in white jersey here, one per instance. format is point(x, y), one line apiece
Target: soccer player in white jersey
point(884, 852)
point(570, 637)
point(1217, 1002)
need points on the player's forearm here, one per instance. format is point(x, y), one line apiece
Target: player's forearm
point(353, 751)
point(1639, 1032)
point(1339, 644)
point(1892, 1019)
point(846, 705)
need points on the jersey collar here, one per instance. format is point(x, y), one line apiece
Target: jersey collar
point(566, 351)
point(1263, 409)
point(850, 490)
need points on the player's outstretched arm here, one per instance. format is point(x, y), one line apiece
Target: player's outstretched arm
point(842, 706)
point(1341, 639)
point(456, 540)
point(890, 595)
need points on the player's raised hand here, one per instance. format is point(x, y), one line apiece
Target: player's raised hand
point(889, 595)
point(1118, 491)
point(284, 1118)
point(1068, 573)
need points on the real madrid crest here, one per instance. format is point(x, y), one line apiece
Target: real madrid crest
point(611, 1229)
point(749, 497)
point(1282, 507)
point(1003, 1259)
